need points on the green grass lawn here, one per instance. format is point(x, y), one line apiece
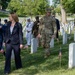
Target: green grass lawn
point(36, 64)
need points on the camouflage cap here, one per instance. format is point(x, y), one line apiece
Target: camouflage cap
point(48, 10)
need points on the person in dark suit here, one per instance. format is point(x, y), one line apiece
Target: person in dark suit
point(4, 26)
point(1, 38)
point(1, 35)
point(13, 39)
point(58, 27)
point(5, 21)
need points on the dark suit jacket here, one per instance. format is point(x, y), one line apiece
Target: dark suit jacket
point(35, 29)
point(1, 33)
point(1, 36)
point(16, 37)
point(58, 24)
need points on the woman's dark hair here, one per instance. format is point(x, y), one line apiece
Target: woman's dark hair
point(14, 16)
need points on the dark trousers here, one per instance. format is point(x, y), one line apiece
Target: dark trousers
point(57, 34)
point(1, 45)
point(18, 63)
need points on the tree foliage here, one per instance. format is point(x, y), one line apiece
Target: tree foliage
point(4, 3)
point(69, 5)
point(56, 2)
point(28, 7)
point(58, 9)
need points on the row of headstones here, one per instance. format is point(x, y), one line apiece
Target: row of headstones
point(71, 52)
point(62, 28)
point(71, 62)
point(34, 42)
point(71, 49)
point(67, 27)
point(71, 55)
point(34, 46)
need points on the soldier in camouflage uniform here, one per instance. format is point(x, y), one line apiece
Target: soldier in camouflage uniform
point(47, 29)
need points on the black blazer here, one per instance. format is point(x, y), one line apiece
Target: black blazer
point(58, 24)
point(16, 37)
point(1, 36)
point(1, 33)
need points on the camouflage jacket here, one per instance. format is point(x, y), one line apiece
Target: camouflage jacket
point(47, 25)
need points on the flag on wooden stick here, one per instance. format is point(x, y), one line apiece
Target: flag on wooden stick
point(60, 55)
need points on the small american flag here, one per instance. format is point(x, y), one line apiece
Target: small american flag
point(60, 53)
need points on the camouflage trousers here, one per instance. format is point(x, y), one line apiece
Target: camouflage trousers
point(45, 42)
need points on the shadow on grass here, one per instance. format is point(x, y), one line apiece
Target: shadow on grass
point(36, 63)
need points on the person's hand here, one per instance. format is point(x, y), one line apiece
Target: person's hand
point(21, 46)
point(39, 36)
point(53, 36)
point(2, 51)
point(26, 47)
point(38, 24)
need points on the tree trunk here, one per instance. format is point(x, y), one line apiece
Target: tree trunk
point(63, 14)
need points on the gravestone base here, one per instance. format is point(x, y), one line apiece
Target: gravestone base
point(74, 35)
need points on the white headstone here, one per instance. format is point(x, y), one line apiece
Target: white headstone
point(69, 30)
point(12, 55)
point(66, 27)
point(34, 45)
point(62, 31)
point(52, 43)
point(74, 35)
point(72, 27)
point(72, 55)
point(64, 38)
point(24, 32)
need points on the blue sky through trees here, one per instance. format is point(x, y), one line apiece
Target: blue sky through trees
point(50, 2)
